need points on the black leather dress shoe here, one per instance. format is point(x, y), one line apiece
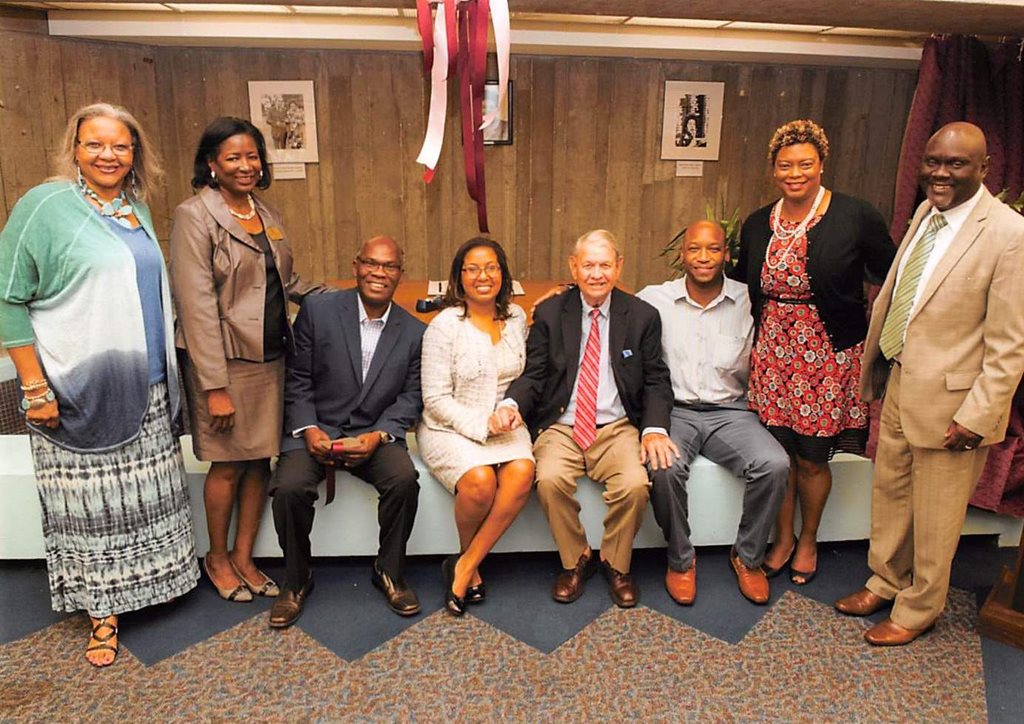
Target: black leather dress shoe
point(400, 597)
point(288, 606)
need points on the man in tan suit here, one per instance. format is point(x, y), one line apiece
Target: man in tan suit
point(947, 330)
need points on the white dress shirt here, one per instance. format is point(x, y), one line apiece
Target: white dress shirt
point(707, 349)
point(955, 219)
point(369, 333)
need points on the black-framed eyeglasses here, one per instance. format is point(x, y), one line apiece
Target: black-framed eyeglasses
point(95, 148)
point(491, 270)
point(388, 267)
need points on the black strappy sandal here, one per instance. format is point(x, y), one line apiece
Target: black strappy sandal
point(103, 640)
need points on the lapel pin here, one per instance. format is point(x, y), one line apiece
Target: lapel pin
point(627, 353)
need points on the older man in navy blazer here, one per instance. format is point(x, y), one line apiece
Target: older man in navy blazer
point(354, 373)
point(597, 395)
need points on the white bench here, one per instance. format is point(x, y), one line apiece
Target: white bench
point(349, 525)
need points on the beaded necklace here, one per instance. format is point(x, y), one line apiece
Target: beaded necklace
point(785, 237)
point(245, 217)
point(119, 209)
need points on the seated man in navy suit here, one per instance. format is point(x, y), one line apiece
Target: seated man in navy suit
point(354, 373)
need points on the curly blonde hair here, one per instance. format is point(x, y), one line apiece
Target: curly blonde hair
point(799, 131)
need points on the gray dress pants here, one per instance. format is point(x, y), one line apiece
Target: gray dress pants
point(732, 436)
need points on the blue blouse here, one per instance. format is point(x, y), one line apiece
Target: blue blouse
point(148, 266)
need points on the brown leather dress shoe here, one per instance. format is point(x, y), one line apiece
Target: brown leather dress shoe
point(400, 597)
point(753, 582)
point(862, 603)
point(682, 585)
point(569, 584)
point(288, 606)
point(621, 586)
point(890, 633)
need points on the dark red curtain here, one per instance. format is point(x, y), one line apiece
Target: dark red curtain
point(963, 79)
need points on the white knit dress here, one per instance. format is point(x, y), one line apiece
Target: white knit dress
point(464, 375)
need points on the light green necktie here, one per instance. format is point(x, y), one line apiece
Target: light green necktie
point(895, 325)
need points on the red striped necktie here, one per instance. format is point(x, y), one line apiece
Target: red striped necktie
point(584, 429)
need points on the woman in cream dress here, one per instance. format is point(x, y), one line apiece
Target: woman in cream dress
point(472, 350)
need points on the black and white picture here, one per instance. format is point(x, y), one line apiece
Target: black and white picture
point(498, 133)
point(285, 113)
point(692, 121)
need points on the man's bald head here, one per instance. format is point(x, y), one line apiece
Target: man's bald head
point(368, 247)
point(702, 228)
point(954, 164)
point(703, 254)
point(377, 268)
point(967, 133)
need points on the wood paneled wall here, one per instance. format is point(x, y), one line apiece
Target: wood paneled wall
point(586, 150)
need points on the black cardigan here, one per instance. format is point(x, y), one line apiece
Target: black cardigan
point(848, 244)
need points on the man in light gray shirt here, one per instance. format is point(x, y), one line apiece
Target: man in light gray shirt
point(707, 332)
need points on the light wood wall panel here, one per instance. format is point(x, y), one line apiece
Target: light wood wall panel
point(586, 150)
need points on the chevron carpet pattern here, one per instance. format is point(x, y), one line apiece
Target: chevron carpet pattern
point(517, 657)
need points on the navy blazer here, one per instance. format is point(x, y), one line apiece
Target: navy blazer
point(323, 382)
point(553, 361)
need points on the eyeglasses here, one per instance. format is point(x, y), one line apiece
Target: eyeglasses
point(491, 270)
point(95, 148)
point(388, 267)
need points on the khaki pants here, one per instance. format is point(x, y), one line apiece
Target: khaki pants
point(918, 505)
point(614, 461)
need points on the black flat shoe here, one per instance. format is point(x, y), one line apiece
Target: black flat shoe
point(456, 605)
point(476, 594)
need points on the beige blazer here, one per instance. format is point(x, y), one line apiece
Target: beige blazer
point(218, 276)
point(460, 384)
point(964, 350)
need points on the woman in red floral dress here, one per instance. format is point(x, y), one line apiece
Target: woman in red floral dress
point(805, 259)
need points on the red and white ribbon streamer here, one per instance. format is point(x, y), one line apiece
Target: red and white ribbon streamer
point(455, 45)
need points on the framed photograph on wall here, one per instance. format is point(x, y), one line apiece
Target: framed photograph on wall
point(498, 133)
point(285, 112)
point(691, 128)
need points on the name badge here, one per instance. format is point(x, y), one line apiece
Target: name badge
point(274, 233)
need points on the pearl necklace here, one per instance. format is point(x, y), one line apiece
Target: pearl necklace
point(245, 217)
point(786, 237)
point(118, 209)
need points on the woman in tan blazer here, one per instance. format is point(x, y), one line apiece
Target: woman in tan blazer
point(231, 270)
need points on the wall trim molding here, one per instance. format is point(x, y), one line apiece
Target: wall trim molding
point(384, 33)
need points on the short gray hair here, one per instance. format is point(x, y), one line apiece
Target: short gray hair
point(598, 236)
point(145, 161)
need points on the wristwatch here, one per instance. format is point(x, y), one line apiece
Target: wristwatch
point(36, 402)
point(386, 437)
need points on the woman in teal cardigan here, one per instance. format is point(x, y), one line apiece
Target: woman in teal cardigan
point(85, 315)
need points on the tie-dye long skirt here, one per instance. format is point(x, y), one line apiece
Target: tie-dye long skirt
point(117, 524)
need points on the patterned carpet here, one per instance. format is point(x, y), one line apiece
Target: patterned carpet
point(796, 660)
